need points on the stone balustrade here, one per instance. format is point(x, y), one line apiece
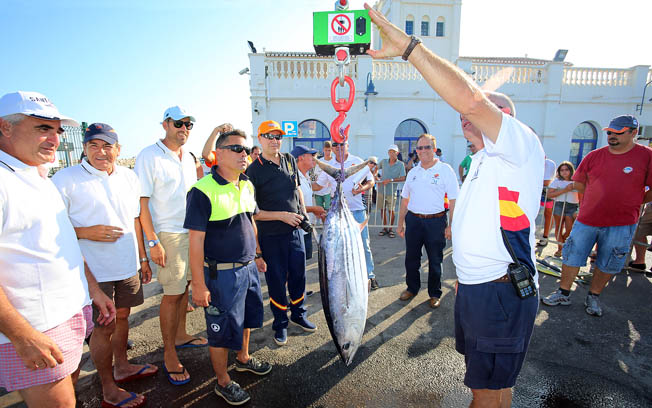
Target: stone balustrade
point(306, 68)
point(395, 71)
point(609, 77)
point(509, 74)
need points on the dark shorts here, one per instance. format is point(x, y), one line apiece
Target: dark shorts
point(492, 329)
point(236, 304)
point(125, 293)
point(569, 209)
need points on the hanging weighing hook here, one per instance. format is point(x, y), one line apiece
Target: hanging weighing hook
point(342, 106)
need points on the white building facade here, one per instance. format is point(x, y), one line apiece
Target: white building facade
point(567, 106)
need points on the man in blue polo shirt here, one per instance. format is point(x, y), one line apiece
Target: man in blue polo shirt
point(223, 262)
point(275, 177)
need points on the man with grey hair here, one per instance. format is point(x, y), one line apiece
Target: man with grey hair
point(44, 294)
point(103, 203)
point(498, 201)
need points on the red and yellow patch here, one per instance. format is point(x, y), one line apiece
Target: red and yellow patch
point(512, 217)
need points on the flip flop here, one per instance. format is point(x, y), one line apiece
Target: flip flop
point(383, 232)
point(124, 402)
point(138, 375)
point(391, 234)
point(190, 344)
point(172, 380)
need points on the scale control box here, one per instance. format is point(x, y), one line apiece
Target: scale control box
point(344, 28)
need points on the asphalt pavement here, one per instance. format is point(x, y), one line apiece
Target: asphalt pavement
point(408, 357)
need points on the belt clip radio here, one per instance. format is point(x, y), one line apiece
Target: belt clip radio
point(212, 268)
point(519, 274)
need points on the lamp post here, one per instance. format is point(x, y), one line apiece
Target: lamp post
point(371, 90)
point(639, 107)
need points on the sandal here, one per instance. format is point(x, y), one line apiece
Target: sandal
point(557, 254)
point(391, 234)
point(383, 232)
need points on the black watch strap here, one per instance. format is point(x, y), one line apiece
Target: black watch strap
point(414, 41)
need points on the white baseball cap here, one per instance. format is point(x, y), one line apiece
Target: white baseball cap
point(32, 104)
point(176, 113)
point(393, 147)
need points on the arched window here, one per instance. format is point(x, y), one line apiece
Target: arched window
point(584, 139)
point(425, 26)
point(312, 133)
point(406, 136)
point(440, 27)
point(409, 24)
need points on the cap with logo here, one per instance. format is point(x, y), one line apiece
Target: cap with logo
point(621, 122)
point(393, 147)
point(268, 126)
point(176, 113)
point(32, 104)
point(299, 150)
point(101, 131)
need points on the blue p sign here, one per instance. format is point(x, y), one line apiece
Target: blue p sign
point(290, 128)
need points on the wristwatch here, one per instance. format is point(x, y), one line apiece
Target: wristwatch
point(144, 259)
point(258, 255)
point(152, 243)
point(414, 41)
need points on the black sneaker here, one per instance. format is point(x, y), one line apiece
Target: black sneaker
point(232, 393)
point(374, 284)
point(253, 366)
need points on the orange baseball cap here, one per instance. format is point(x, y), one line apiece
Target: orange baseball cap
point(269, 125)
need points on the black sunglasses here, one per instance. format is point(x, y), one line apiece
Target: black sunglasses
point(424, 147)
point(179, 123)
point(609, 132)
point(271, 136)
point(236, 148)
point(335, 144)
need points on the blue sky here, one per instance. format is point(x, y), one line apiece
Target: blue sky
point(123, 62)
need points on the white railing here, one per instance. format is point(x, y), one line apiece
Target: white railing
point(609, 77)
point(395, 71)
point(509, 74)
point(305, 68)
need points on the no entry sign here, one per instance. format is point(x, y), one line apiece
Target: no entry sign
point(339, 27)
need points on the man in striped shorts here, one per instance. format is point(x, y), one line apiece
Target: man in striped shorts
point(44, 294)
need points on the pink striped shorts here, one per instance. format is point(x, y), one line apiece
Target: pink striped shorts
point(69, 336)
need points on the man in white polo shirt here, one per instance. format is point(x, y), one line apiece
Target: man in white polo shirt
point(166, 172)
point(103, 203)
point(44, 296)
point(352, 188)
point(422, 218)
point(493, 324)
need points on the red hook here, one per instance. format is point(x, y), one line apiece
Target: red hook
point(342, 106)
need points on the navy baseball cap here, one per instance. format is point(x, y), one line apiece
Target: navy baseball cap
point(621, 122)
point(299, 150)
point(101, 131)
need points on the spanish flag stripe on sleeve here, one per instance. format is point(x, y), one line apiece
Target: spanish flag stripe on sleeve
point(512, 217)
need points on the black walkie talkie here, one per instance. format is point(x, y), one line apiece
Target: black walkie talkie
point(518, 273)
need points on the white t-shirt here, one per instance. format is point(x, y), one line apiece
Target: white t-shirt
point(306, 190)
point(353, 201)
point(94, 197)
point(41, 266)
point(550, 169)
point(569, 197)
point(166, 180)
point(503, 188)
point(425, 188)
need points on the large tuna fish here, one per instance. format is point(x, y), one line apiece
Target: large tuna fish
point(342, 271)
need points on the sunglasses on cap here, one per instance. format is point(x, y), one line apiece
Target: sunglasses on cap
point(236, 148)
point(270, 136)
point(609, 132)
point(424, 147)
point(178, 123)
point(335, 144)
